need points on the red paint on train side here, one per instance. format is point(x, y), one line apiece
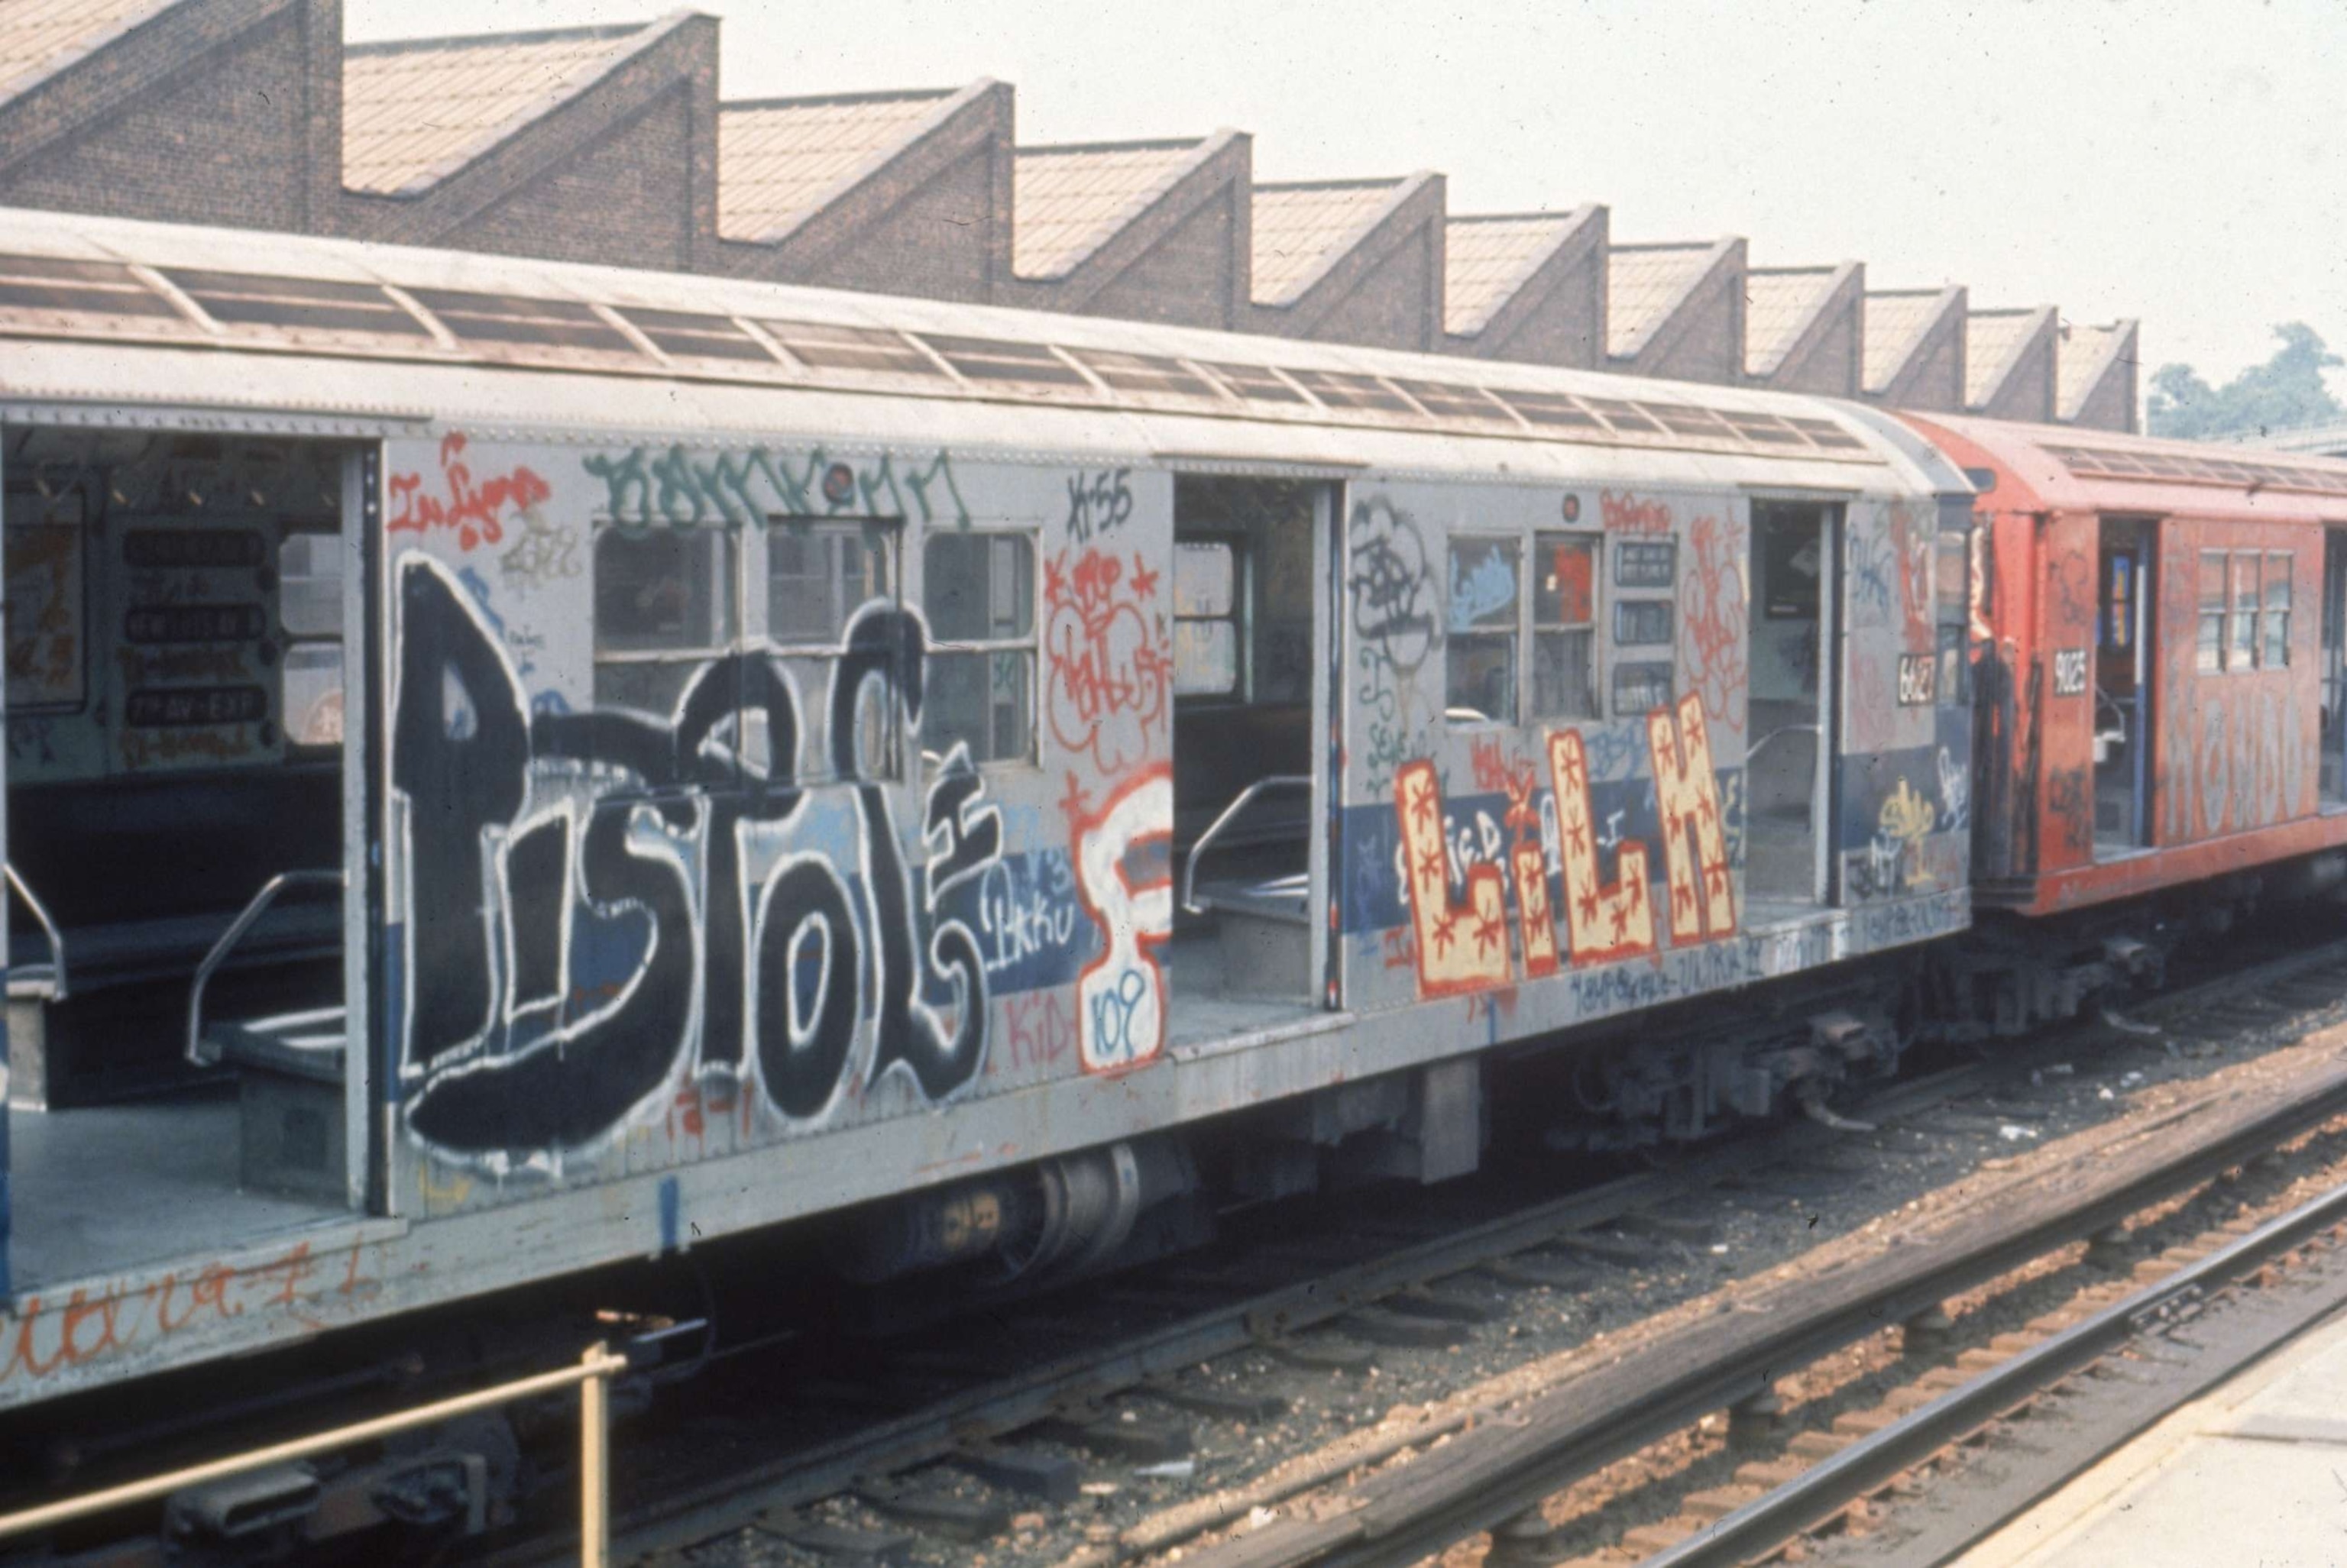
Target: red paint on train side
point(2235, 750)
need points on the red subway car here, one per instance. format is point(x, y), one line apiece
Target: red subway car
point(2158, 630)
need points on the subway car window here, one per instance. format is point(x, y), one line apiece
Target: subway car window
point(979, 596)
point(2241, 642)
point(309, 610)
point(663, 606)
point(1565, 626)
point(1206, 606)
point(820, 574)
point(2273, 622)
point(1480, 642)
point(2210, 655)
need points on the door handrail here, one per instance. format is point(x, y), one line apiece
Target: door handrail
point(243, 923)
point(1244, 798)
point(1783, 729)
point(48, 928)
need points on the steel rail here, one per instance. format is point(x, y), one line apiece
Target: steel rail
point(1824, 1489)
point(1514, 1460)
point(687, 1516)
point(934, 1432)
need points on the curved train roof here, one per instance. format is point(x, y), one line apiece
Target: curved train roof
point(2057, 469)
point(141, 320)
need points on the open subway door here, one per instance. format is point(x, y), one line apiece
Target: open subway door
point(1250, 928)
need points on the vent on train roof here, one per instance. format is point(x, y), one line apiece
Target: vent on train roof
point(995, 361)
point(1552, 410)
point(1826, 432)
point(1444, 400)
point(1765, 428)
point(690, 335)
point(820, 346)
point(519, 328)
point(1682, 419)
point(1146, 375)
point(77, 287)
point(1335, 389)
point(511, 319)
point(2115, 462)
point(1623, 416)
point(296, 304)
point(1256, 383)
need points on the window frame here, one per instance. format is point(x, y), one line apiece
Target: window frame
point(2268, 612)
point(2208, 657)
point(1030, 757)
point(1517, 635)
point(2243, 626)
point(1241, 617)
point(1593, 699)
point(331, 532)
point(794, 526)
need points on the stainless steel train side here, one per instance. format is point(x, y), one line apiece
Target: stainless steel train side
point(735, 752)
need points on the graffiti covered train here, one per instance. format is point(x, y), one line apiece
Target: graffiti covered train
point(513, 767)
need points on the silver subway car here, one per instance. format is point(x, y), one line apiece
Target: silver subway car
point(514, 766)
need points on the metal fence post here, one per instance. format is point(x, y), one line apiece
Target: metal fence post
point(594, 1463)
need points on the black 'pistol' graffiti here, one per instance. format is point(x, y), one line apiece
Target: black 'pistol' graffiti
point(746, 955)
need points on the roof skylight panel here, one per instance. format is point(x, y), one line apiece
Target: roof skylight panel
point(1338, 390)
point(1256, 383)
point(297, 305)
point(78, 289)
point(822, 346)
point(533, 323)
point(1146, 375)
point(693, 335)
point(996, 362)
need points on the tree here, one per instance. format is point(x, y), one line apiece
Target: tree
point(2287, 390)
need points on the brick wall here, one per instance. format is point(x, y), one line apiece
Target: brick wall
point(616, 201)
point(205, 121)
point(1828, 363)
point(936, 239)
point(1185, 277)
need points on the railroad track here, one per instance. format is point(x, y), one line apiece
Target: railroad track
point(1128, 1398)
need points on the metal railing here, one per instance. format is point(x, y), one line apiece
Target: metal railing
point(592, 1375)
point(1780, 733)
point(48, 928)
point(230, 937)
point(1244, 799)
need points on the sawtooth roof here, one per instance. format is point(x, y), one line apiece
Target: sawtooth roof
point(1990, 338)
point(2084, 359)
point(1894, 319)
point(781, 159)
point(1641, 283)
point(40, 37)
point(1068, 200)
point(1299, 228)
point(1487, 260)
point(1779, 301)
point(416, 111)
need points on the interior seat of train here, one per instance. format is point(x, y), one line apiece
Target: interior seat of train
point(175, 618)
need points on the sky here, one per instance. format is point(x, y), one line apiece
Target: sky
point(2182, 162)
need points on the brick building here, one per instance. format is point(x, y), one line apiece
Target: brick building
point(612, 143)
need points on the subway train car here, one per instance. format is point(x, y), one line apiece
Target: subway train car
point(2162, 633)
point(514, 766)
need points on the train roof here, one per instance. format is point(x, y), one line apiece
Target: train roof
point(2056, 468)
point(112, 319)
